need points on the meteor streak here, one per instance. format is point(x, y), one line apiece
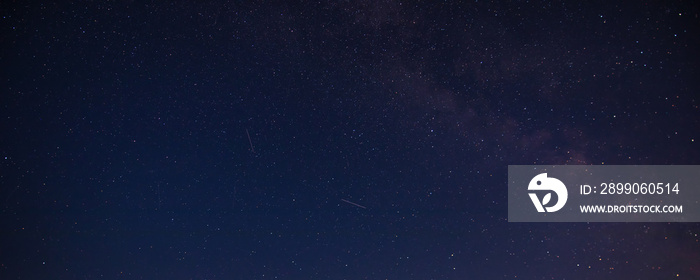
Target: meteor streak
point(353, 203)
point(249, 141)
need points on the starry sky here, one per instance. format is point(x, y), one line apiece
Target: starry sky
point(334, 140)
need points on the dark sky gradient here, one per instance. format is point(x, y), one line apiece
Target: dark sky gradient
point(124, 151)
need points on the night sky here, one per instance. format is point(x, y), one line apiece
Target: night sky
point(341, 140)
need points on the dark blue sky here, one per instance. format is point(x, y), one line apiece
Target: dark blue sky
point(219, 140)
